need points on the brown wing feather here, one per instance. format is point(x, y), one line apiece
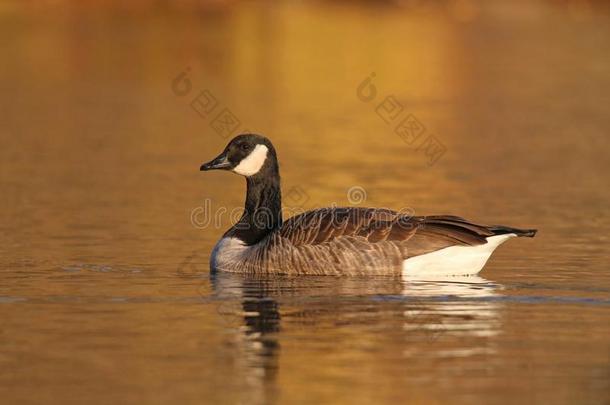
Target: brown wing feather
point(372, 241)
point(379, 225)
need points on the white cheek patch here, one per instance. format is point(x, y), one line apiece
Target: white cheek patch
point(253, 162)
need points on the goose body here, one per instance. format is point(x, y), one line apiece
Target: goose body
point(340, 240)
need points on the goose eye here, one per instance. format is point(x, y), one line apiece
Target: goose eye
point(245, 147)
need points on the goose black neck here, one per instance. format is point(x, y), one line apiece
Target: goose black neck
point(262, 209)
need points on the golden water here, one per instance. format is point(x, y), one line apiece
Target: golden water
point(105, 291)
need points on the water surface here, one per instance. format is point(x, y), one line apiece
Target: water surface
point(105, 291)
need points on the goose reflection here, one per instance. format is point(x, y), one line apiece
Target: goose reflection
point(246, 305)
point(440, 317)
point(452, 307)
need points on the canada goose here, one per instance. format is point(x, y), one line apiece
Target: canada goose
point(340, 240)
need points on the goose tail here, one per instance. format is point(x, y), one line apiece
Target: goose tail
point(502, 230)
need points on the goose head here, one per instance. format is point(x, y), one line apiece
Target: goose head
point(249, 155)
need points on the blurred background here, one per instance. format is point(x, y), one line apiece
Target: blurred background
point(492, 110)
